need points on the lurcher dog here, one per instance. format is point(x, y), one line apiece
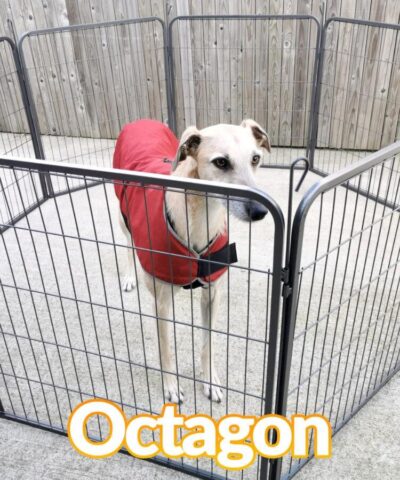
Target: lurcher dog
point(226, 153)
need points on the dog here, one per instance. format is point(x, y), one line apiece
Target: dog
point(189, 226)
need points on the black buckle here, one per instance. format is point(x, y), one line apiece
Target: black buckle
point(216, 261)
point(193, 285)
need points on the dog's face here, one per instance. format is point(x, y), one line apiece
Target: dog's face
point(226, 153)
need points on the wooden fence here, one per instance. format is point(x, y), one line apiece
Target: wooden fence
point(224, 71)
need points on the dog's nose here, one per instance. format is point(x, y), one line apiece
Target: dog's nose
point(256, 211)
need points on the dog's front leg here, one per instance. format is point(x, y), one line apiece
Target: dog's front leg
point(163, 296)
point(209, 310)
point(128, 282)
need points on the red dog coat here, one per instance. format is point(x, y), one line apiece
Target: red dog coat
point(144, 146)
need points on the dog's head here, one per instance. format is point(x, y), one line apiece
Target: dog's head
point(226, 153)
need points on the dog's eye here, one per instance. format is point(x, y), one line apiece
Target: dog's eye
point(255, 160)
point(221, 162)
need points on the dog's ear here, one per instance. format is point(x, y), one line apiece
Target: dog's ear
point(259, 133)
point(188, 145)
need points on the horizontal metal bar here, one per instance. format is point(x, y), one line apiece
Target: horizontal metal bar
point(87, 26)
point(356, 21)
point(148, 179)
point(279, 166)
point(245, 17)
point(76, 189)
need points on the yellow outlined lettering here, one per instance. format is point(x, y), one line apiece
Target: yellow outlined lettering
point(76, 428)
point(322, 436)
point(233, 442)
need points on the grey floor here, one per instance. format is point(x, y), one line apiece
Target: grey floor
point(367, 448)
point(362, 449)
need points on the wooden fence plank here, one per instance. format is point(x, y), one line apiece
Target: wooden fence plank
point(12, 118)
point(287, 85)
point(235, 56)
point(328, 78)
point(303, 64)
point(186, 100)
point(379, 90)
point(351, 84)
point(274, 74)
point(224, 65)
point(341, 79)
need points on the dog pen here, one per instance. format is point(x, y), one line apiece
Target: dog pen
point(308, 330)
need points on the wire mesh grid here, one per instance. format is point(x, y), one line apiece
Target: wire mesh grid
point(236, 67)
point(359, 100)
point(87, 81)
point(346, 338)
point(70, 332)
point(19, 193)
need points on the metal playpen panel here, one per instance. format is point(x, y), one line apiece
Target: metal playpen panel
point(86, 81)
point(69, 332)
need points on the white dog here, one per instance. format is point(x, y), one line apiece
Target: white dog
point(152, 219)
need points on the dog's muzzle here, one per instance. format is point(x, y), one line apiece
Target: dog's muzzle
point(255, 211)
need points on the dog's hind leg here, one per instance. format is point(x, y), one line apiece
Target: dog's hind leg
point(163, 296)
point(128, 275)
point(209, 311)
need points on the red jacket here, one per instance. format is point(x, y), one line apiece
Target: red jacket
point(144, 145)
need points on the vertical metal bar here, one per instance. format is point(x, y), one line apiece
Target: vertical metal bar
point(169, 79)
point(279, 239)
point(290, 199)
point(170, 76)
point(20, 75)
point(314, 120)
point(31, 116)
point(35, 137)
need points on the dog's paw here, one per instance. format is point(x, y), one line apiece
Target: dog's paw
point(128, 283)
point(173, 394)
point(213, 392)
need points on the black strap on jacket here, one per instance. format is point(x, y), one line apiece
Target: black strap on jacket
point(209, 264)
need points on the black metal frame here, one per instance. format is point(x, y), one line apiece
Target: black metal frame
point(288, 274)
point(292, 285)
